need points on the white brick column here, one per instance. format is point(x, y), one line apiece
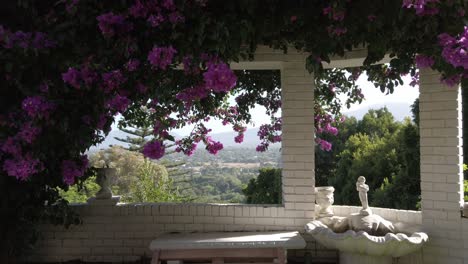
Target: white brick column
point(441, 168)
point(298, 141)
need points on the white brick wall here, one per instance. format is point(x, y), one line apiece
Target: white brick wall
point(441, 171)
point(123, 232)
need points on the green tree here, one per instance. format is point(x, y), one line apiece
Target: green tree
point(266, 188)
point(139, 139)
point(152, 185)
point(141, 132)
point(81, 192)
point(326, 161)
point(403, 190)
point(386, 152)
point(376, 159)
point(137, 179)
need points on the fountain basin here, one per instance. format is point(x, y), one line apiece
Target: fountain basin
point(360, 247)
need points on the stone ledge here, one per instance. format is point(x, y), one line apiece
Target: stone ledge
point(103, 202)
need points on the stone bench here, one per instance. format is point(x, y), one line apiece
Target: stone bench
point(226, 247)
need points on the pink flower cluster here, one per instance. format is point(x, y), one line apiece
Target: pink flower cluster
point(268, 133)
point(455, 49)
point(323, 144)
point(422, 7)
point(240, 133)
point(191, 94)
point(118, 103)
point(336, 30)
point(414, 80)
point(132, 65)
point(189, 66)
point(212, 146)
point(25, 40)
point(77, 77)
point(111, 24)
point(29, 132)
point(156, 12)
point(161, 57)
point(112, 80)
point(154, 150)
point(22, 167)
point(337, 16)
point(423, 61)
point(451, 81)
point(219, 77)
point(11, 146)
point(186, 146)
point(323, 124)
point(334, 14)
point(200, 133)
point(72, 169)
point(37, 107)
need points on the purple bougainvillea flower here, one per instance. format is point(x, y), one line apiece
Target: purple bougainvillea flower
point(451, 81)
point(11, 146)
point(72, 169)
point(219, 77)
point(161, 57)
point(111, 24)
point(29, 132)
point(22, 167)
point(112, 80)
point(423, 61)
point(154, 150)
point(72, 77)
point(37, 106)
point(239, 138)
point(213, 147)
point(118, 103)
point(132, 65)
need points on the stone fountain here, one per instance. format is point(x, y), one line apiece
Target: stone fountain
point(362, 237)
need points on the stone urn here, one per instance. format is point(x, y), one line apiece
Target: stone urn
point(324, 199)
point(104, 196)
point(102, 179)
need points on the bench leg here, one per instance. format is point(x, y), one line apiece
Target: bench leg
point(281, 254)
point(156, 254)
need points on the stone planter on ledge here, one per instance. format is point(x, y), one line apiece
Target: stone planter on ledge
point(104, 195)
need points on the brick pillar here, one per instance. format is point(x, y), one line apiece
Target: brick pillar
point(441, 168)
point(298, 142)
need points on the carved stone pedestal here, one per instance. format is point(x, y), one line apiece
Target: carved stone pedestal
point(352, 258)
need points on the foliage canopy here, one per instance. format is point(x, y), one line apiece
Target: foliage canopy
point(69, 67)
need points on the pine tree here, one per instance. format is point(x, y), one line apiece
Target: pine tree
point(140, 134)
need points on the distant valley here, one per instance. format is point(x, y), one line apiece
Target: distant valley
point(251, 140)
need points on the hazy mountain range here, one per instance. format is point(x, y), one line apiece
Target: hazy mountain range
point(399, 111)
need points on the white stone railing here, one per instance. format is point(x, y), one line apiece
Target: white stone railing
point(122, 232)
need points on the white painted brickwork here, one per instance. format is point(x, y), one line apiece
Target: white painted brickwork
point(298, 141)
point(116, 233)
point(441, 171)
point(122, 233)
